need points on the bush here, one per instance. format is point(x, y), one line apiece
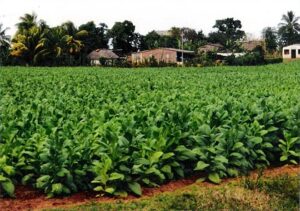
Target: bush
point(203, 59)
point(122, 63)
point(273, 60)
point(255, 57)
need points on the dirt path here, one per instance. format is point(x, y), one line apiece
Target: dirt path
point(30, 199)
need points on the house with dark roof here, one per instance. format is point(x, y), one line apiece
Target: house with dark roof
point(105, 55)
point(167, 55)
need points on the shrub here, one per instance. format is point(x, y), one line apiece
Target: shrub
point(273, 60)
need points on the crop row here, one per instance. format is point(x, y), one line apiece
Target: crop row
point(113, 131)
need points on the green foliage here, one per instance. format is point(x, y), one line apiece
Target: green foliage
point(271, 39)
point(7, 172)
point(273, 60)
point(228, 33)
point(122, 35)
point(4, 45)
point(284, 186)
point(173, 39)
point(289, 29)
point(275, 193)
point(113, 131)
point(290, 149)
point(97, 36)
point(256, 57)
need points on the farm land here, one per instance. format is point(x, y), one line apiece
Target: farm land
point(116, 132)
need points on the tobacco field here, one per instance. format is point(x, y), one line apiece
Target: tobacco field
point(113, 131)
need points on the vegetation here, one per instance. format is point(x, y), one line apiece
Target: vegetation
point(123, 36)
point(37, 44)
point(255, 57)
point(228, 33)
point(289, 29)
point(271, 39)
point(4, 46)
point(69, 129)
point(278, 193)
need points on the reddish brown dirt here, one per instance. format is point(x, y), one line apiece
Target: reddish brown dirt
point(30, 199)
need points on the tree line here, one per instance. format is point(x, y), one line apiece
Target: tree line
point(37, 44)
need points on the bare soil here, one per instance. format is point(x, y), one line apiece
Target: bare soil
point(28, 198)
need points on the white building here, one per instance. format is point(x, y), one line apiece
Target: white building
point(291, 52)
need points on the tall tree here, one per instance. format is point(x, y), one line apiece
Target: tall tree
point(166, 41)
point(50, 47)
point(192, 40)
point(69, 28)
point(30, 32)
point(4, 45)
point(96, 38)
point(58, 47)
point(228, 33)
point(270, 37)
point(24, 45)
point(26, 22)
point(289, 29)
point(123, 36)
point(152, 40)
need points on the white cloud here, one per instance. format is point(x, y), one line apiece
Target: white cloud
point(154, 14)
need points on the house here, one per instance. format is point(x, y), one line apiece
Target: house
point(251, 45)
point(210, 47)
point(291, 52)
point(105, 54)
point(168, 55)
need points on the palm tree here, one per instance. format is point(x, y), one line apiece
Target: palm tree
point(24, 46)
point(49, 48)
point(69, 28)
point(73, 42)
point(4, 44)
point(4, 39)
point(26, 22)
point(71, 48)
point(289, 28)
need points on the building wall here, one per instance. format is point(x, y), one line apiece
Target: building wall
point(165, 55)
point(95, 62)
point(288, 50)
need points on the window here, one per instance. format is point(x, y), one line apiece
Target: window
point(286, 52)
point(298, 51)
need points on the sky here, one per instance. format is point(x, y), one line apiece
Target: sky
point(152, 14)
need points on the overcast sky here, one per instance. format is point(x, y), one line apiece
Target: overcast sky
point(151, 14)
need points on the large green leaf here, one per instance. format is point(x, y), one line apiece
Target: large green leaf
point(155, 157)
point(116, 176)
point(214, 177)
point(57, 188)
point(8, 188)
point(135, 188)
point(200, 166)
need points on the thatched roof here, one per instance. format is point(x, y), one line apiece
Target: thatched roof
point(210, 47)
point(250, 45)
point(102, 53)
point(167, 49)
